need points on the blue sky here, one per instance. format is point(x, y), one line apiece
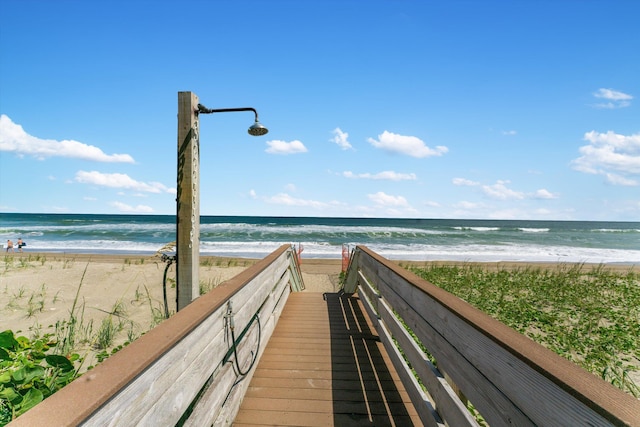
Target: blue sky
point(510, 109)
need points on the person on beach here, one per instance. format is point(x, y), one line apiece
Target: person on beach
point(10, 246)
point(21, 244)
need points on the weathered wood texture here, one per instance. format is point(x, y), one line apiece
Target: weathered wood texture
point(325, 366)
point(188, 201)
point(510, 379)
point(155, 380)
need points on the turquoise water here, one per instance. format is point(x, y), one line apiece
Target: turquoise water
point(407, 239)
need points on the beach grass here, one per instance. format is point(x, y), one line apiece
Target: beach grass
point(85, 308)
point(587, 314)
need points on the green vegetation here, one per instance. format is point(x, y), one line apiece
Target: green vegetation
point(13, 261)
point(31, 369)
point(127, 261)
point(211, 261)
point(206, 286)
point(157, 311)
point(30, 372)
point(590, 316)
point(109, 327)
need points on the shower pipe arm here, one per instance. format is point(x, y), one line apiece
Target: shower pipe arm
point(204, 110)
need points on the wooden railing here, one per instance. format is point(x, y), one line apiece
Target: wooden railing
point(509, 379)
point(183, 371)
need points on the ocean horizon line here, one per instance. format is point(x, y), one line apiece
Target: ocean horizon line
point(323, 237)
point(325, 217)
point(354, 218)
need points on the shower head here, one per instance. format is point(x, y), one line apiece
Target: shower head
point(257, 129)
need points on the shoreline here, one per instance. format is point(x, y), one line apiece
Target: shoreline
point(398, 239)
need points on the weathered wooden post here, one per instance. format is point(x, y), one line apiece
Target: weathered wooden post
point(188, 201)
point(188, 192)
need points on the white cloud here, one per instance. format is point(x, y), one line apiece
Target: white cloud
point(395, 213)
point(123, 207)
point(500, 191)
point(627, 143)
point(384, 175)
point(606, 105)
point(505, 214)
point(616, 179)
point(616, 99)
point(384, 199)
point(463, 181)
point(340, 138)
point(283, 147)
point(544, 194)
point(432, 204)
point(467, 205)
point(409, 145)
point(613, 95)
point(14, 139)
point(543, 212)
point(287, 200)
point(509, 132)
point(120, 180)
point(612, 155)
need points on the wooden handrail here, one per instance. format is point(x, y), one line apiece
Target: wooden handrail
point(510, 379)
point(180, 366)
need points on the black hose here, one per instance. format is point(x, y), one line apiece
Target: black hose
point(169, 260)
point(256, 317)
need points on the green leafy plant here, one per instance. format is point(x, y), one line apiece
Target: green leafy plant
point(30, 372)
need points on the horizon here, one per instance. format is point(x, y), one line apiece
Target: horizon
point(488, 110)
point(322, 217)
point(408, 239)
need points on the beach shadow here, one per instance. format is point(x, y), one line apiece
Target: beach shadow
point(364, 393)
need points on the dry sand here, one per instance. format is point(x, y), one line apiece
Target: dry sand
point(38, 290)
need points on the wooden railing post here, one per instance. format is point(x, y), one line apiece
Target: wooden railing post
point(188, 201)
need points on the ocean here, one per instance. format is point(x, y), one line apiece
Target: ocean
point(398, 239)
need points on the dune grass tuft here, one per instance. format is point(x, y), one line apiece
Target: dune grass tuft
point(590, 316)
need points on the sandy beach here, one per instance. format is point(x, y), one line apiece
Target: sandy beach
point(38, 290)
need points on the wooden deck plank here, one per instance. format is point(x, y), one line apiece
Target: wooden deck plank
point(325, 366)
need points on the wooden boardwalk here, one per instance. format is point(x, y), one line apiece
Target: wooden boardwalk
point(323, 366)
